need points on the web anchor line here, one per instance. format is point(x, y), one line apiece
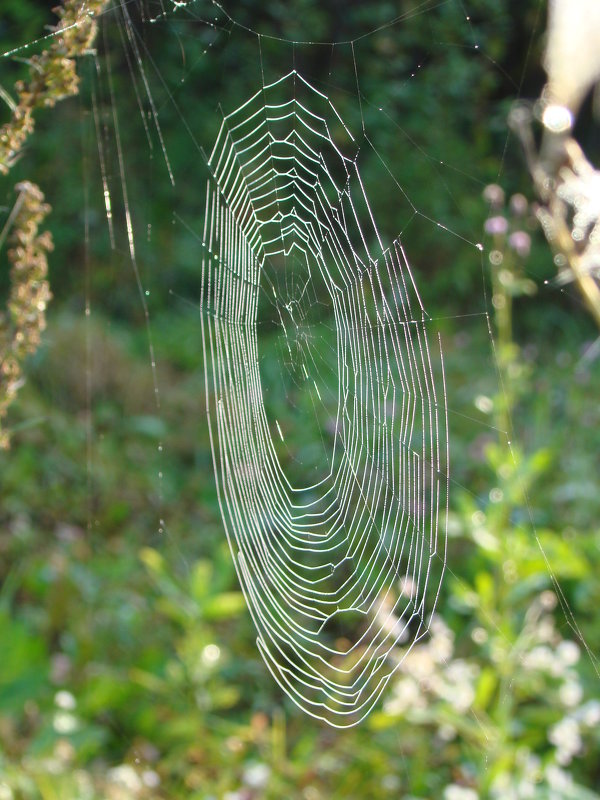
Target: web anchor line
point(340, 571)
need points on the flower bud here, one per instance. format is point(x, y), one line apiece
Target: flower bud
point(496, 226)
point(494, 195)
point(520, 242)
point(518, 205)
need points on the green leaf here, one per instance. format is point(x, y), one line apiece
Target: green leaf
point(486, 686)
point(23, 665)
point(224, 606)
point(200, 579)
point(153, 560)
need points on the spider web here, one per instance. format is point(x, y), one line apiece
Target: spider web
point(319, 561)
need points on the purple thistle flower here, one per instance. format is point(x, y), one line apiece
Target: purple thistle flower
point(520, 242)
point(518, 205)
point(494, 194)
point(496, 226)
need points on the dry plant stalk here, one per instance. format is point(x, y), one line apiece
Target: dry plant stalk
point(570, 219)
point(52, 74)
point(569, 189)
point(52, 77)
point(565, 181)
point(25, 319)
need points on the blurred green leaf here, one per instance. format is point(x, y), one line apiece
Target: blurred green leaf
point(224, 606)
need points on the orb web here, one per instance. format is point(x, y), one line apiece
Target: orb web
point(339, 545)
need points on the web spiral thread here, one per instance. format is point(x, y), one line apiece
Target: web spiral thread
point(340, 571)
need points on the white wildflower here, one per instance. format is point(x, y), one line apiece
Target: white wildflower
point(570, 693)
point(406, 695)
point(447, 732)
point(501, 787)
point(420, 663)
point(455, 792)
point(441, 644)
point(539, 658)
point(568, 652)
point(531, 765)
point(558, 778)
point(565, 736)
point(589, 713)
point(210, 654)
point(125, 776)
point(256, 776)
point(64, 723)
point(151, 778)
point(65, 700)
point(460, 690)
point(479, 635)
point(545, 631)
point(391, 783)
point(407, 586)
point(462, 698)
point(526, 789)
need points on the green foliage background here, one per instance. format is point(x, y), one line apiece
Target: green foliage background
point(128, 664)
